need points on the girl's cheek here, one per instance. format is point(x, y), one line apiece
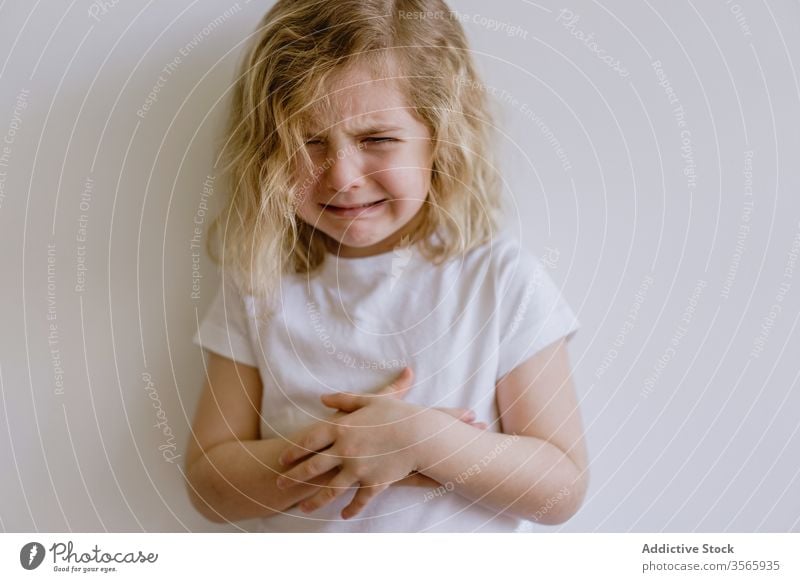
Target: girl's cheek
point(302, 200)
point(306, 184)
point(409, 181)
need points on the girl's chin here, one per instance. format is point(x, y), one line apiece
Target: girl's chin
point(362, 246)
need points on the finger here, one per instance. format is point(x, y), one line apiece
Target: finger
point(363, 496)
point(464, 414)
point(400, 386)
point(480, 425)
point(307, 470)
point(350, 402)
point(311, 442)
point(338, 485)
point(345, 401)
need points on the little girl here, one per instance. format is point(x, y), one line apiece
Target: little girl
point(380, 357)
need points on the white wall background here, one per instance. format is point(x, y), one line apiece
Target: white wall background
point(687, 372)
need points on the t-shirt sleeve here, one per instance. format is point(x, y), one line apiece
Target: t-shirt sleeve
point(533, 313)
point(224, 328)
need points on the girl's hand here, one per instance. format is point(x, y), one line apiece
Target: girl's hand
point(297, 450)
point(360, 443)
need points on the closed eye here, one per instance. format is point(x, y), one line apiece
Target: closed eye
point(380, 139)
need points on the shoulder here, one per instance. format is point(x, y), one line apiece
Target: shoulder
point(506, 259)
point(238, 297)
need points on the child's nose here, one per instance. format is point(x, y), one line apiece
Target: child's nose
point(345, 172)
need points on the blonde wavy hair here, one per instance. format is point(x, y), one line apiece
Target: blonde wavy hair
point(285, 78)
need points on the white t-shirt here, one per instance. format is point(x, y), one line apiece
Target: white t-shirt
point(353, 325)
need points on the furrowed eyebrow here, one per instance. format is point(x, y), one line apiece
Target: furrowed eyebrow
point(374, 130)
point(377, 129)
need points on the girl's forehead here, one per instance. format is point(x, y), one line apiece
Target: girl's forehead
point(360, 105)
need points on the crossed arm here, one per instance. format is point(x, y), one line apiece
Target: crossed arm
point(230, 472)
point(536, 468)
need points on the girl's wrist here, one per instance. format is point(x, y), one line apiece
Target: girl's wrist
point(431, 426)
